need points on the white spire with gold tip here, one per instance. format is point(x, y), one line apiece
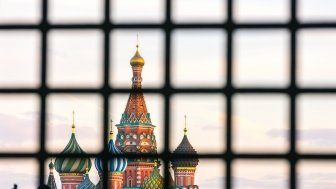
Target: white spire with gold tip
point(185, 130)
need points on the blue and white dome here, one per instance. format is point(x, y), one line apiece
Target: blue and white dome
point(86, 183)
point(114, 164)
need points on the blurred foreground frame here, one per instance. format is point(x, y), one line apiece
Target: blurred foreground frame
point(229, 90)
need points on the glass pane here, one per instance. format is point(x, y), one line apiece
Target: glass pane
point(76, 11)
point(205, 119)
point(261, 58)
point(123, 48)
point(21, 172)
point(260, 123)
point(20, 11)
point(210, 173)
point(193, 64)
point(316, 123)
point(261, 174)
point(133, 11)
point(199, 11)
point(87, 120)
point(20, 58)
point(316, 58)
point(19, 118)
point(75, 58)
point(261, 10)
point(315, 11)
point(316, 174)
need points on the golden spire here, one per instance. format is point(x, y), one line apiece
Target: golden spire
point(87, 168)
point(73, 122)
point(185, 130)
point(137, 44)
point(111, 131)
point(137, 60)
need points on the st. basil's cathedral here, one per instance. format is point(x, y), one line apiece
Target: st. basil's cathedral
point(135, 136)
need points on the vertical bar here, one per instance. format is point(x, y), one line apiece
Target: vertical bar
point(229, 93)
point(167, 93)
point(106, 93)
point(43, 91)
point(293, 93)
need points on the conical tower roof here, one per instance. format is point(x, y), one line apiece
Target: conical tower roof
point(136, 110)
point(185, 148)
point(72, 165)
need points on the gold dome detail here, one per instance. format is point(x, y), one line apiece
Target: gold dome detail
point(137, 60)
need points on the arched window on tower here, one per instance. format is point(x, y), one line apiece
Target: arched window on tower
point(129, 181)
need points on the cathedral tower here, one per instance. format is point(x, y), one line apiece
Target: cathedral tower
point(184, 169)
point(136, 131)
point(51, 183)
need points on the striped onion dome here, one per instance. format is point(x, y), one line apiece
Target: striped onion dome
point(155, 180)
point(86, 183)
point(114, 164)
point(72, 165)
point(185, 148)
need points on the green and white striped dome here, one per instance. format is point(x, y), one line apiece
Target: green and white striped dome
point(72, 165)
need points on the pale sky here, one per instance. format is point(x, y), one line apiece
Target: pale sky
point(260, 58)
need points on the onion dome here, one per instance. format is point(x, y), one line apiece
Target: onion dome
point(137, 60)
point(155, 180)
point(185, 148)
point(114, 164)
point(86, 183)
point(72, 165)
point(51, 183)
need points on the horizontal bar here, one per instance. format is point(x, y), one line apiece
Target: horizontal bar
point(111, 26)
point(164, 91)
point(179, 156)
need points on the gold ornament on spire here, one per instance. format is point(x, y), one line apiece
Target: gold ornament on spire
point(137, 60)
point(87, 168)
point(73, 122)
point(185, 130)
point(111, 131)
point(155, 163)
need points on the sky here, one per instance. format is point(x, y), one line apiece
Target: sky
point(260, 58)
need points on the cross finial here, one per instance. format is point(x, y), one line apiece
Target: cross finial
point(73, 121)
point(185, 125)
point(137, 44)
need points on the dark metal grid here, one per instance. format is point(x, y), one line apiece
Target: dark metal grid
point(167, 90)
